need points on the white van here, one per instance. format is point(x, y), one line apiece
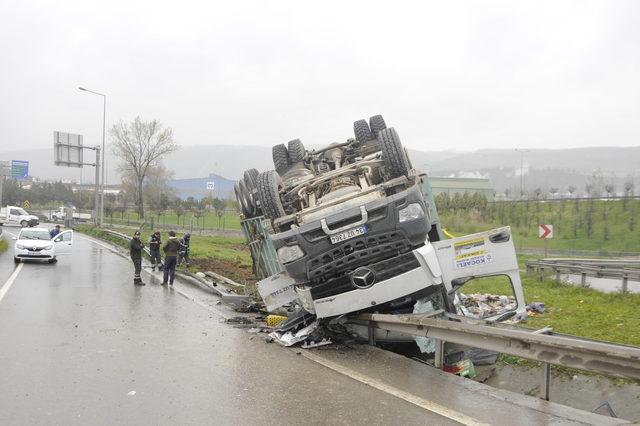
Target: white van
point(17, 216)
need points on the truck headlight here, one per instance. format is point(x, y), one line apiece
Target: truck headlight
point(288, 254)
point(20, 246)
point(49, 247)
point(412, 211)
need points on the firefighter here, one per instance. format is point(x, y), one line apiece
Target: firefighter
point(135, 249)
point(185, 249)
point(155, 242)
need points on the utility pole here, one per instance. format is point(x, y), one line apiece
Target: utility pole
point(104, 118)
point(521, 151)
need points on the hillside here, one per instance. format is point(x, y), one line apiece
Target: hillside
point(543, 168)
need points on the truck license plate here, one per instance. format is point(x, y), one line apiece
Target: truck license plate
point(347, 235)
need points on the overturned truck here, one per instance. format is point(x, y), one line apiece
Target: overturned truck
point(353, 227)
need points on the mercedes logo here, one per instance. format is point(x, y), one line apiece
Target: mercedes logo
point(363, 278)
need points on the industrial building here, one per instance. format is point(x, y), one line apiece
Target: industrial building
point(453, 185)
point(200, 188)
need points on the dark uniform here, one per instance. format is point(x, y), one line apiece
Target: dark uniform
point(135, 249)
point(185, 249)
point(170, 248)
point(155, 241)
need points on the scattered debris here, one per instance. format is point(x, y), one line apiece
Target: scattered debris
point(290, 338)
point(462, 368)
point(240, 322)
point(314, 344)
point(487, 305)
point(239, 302)
point(274, 320)
point(537, 307)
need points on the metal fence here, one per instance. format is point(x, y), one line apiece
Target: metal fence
point(622, 269)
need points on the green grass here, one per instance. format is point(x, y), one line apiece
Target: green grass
point(3, 246)
point(572, 309)
point(599, 226)
point(210, 220)
point(202, 246)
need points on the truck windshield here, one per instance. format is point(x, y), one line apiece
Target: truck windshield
point(22, 212)
point(34, 234)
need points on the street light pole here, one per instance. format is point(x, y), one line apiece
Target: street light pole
point(104, 153)
point(521, 151)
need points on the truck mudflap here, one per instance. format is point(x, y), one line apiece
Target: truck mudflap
point(426, 275)
point(484, 254)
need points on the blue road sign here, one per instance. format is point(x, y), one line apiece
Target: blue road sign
point(19, 169)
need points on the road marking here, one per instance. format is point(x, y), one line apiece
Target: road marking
point(7, 285)
point(393, 391)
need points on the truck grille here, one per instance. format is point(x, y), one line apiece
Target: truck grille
point(357, 252)
point(384, 270)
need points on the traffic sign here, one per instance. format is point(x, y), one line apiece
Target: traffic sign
point(26, 204)
point(211, 186)
point(67, 149)
point(545, 232)
point(19, 169)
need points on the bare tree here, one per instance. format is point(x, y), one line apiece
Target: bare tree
point(139, 145)
point(609, 189)
point(553, 191)
point(572, 190)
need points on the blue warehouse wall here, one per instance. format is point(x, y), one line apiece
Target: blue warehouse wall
point(197, 187)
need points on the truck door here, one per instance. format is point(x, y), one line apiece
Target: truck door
point(14, 215)
point(63, 243)
point(476, 257)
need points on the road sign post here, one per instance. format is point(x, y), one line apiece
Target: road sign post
point(545, 232)
point(5, 171)
point(68, 152)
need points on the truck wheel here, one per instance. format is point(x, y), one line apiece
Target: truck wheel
point(245, 199)
point(251, 179)
point(377, 124)
point(395, 158)
point(16, 260)
point(296, 151)
point(24, 223)
point(361, 131)
point(280, 157)
point(269, 185)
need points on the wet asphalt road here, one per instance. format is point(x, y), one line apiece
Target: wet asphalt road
point(79, 344)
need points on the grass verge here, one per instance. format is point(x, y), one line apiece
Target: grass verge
point(227, 256)
point(3, 245)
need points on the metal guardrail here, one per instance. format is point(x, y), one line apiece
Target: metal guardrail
point(541, 345)
point(125, 237)
point(622, 269)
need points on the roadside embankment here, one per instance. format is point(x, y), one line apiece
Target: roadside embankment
point(226, 256)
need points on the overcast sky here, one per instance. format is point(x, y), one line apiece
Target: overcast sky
point(448, 75)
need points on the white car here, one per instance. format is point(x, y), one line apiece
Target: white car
point(37, 244)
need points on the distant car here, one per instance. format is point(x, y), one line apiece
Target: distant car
point(37, 244)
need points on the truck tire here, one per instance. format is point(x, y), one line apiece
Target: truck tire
point(243, 199)
point(280, 157)
point(269, 184)
point(16, 260)
point(296, 151)
point(395, 159)
point(251, 179)
point(24, 223)
point(377, 124)
point(362, 132)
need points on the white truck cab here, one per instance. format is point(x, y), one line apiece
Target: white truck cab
point(17, 216)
